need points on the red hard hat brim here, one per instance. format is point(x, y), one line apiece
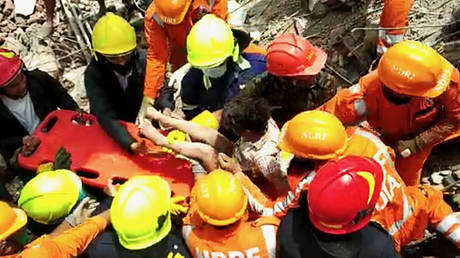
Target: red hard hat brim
point(316, 67)
point(339, 231)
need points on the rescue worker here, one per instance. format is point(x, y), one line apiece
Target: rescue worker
point(294, 81)
point(393, 20)
point(404, 211)
point(218, 223)
point(324, 227)
point(167, 25)
point(141, 217)
point(49, 197)
point(64, 241)
point(411, 100)
point(219, 66)
point(26, 98)
point(114, 80)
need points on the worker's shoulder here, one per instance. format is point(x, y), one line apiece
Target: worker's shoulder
point(37, 74)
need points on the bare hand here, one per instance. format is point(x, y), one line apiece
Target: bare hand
point(110, 189)
point(228, 163)
point(139, 147)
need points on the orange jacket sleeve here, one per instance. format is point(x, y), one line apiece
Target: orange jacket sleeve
point(157, 55)
point(70, 243)
point(220, 9)
point(348, 105)
point(450, 100)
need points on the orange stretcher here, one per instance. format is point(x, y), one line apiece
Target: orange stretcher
point(97, 158)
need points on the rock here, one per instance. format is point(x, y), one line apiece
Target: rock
point(76, 77)
point(9, 7)
point(436, 178)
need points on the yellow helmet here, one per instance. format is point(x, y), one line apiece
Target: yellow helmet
point(313, 135)
point(414, 69)
point(50, 195)
point(113, 36)
point(210, 42)
point(220, 198)
point(140, 212)
point(11, 220)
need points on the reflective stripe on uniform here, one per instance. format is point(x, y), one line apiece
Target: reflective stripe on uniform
point(355, 89)
point(269, 233)
point(157, 19)
point(408, 210)
point(390, 39)
point(360, 107)
point(186, 230)
point(447, 223)
point(281, 205)
point(454, 237)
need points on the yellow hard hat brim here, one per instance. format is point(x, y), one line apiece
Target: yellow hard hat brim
point(21, 221)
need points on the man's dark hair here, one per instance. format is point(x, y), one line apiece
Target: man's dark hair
point(246, 112)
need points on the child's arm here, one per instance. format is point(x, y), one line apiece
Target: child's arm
point(196, 132)
point(194, 150)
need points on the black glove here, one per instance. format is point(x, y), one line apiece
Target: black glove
point(61, 159)
point(165, 99)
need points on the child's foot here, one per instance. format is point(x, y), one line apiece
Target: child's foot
point(152, 133)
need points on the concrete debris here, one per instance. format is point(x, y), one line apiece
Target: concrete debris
point(78, 92)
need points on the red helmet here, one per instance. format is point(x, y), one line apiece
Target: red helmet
point(343, 194)
point(10, 65)
point(291, 55)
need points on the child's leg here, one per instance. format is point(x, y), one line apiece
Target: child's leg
point(196, 132)
point(195, 150)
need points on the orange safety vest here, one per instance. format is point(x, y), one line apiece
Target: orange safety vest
point(244, 239)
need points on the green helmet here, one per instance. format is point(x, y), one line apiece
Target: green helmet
point(49, 196)
point(210, 42)
point(140, 212)
point(113, 36)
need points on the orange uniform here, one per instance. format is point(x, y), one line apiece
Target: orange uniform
point(394, 15)
point(403, 211)
point(70, 243)
point(166, 42)
point(245, 238)
point(435, 120)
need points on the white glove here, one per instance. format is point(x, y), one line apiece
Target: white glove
point(83, 211)
point(175, 80)
point(146, 103)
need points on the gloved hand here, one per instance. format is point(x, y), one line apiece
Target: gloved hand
point(29, 144)
point(83, 211)
point(146, 102)
point(179, 205)
point(406, 148)
point(62, 159)
point(175, 79)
